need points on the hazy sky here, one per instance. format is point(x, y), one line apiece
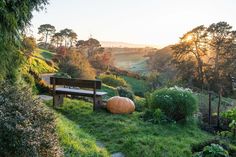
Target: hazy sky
point(159, 22)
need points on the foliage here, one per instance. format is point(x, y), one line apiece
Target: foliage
point(214, 150)
point(39, 66)
point(204, 56)
point(140, 104)
point(27, 127)
point(138, 86)
point(77, 66)
point(123, 133)
point(230, 114)
point(111, 91)
point(29, 45)
point(177, 103)
point(14, 16)
point(113, 80)
point(42, 87)
point(124, 92)
point(155, 116)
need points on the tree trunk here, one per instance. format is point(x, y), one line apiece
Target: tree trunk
point(46, 40)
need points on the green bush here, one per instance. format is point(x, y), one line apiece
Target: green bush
point(27, 127)
point(177, 103)
point(230, 114)
point(214, 150)
point(124, 92)
point(113, 80)
point(155, 116)
point(140, 104)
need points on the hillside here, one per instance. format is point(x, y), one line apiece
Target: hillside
point(132, 59)
point(125, 45)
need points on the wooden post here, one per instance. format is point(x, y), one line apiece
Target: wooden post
point(94, 96)
point(54, 91)
point(209, 109)
point(218, 109)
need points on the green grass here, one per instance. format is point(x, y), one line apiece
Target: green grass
point(137, 86)
point(44, 54)
point(124, 133)
point(75, 141)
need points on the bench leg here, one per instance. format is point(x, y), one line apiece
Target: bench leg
point(98, 103)
point(58, 100)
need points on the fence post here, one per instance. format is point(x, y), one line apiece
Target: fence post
point(209, 108)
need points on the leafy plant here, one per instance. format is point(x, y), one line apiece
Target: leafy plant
point(155, 116)
point(176, 103)
point(113, 80)
point(124, 92)
point(140, 103)
point(214, 150)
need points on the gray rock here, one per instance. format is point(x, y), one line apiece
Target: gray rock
point(118, 154)
point(100, 144)
point(45, 97)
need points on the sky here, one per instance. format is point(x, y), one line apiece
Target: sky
point(151, 22)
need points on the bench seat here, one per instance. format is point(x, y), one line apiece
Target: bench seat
point(81, 92)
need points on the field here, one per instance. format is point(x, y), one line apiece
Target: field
point(87, 133)
point(133, 59)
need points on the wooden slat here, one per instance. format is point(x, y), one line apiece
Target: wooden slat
point(78, 92)
point(77, 82)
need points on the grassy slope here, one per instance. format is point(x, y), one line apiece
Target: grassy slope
point(38, 62)
point(125, 133)
point(75, 141)
point(136, 85)
point(45, 54)
point(40, 66)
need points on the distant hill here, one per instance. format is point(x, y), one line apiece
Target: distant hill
point(125, 45)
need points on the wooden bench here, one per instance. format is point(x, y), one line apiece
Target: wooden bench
point(68, 86)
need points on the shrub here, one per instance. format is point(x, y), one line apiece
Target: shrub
point(27, 127)
point(140, 104)
point(155, 116)
point(124, 92)
point(176, 103)
point(42, 86)
point(76, 65)
point(113, 80)
point(214, 150)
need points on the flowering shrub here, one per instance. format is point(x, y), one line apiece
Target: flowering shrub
point(177, 103)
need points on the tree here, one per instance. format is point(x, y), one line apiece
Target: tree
point(57, 39)
point(65, 34)
point(46, 30)
point(192, 46)
point(15, 16)
point(76, 65)
point(212, 51)
point(90, 47)
point(72, 38)
point(222, 47)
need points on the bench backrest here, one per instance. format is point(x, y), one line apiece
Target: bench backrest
point(95, 84)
